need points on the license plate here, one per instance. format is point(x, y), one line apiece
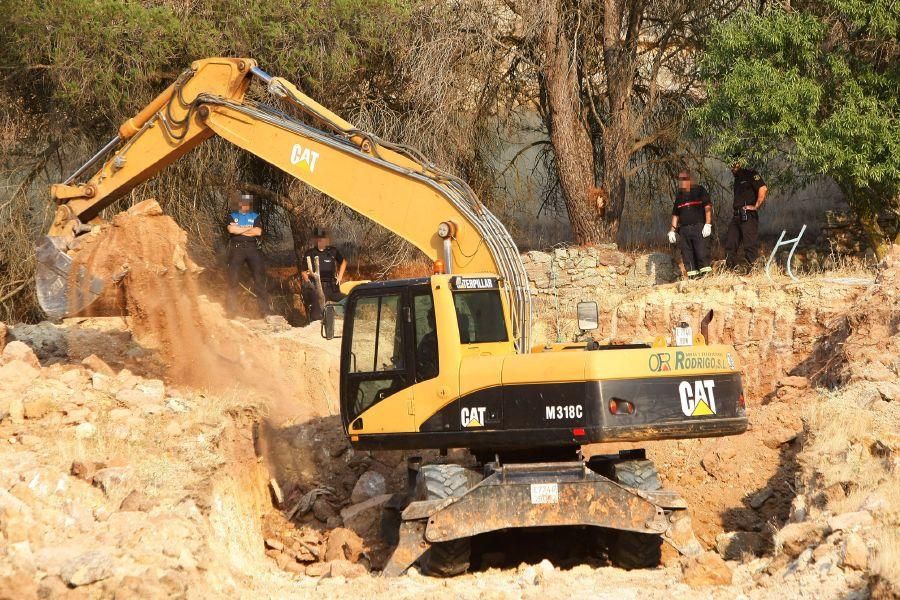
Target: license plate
point(544, 493)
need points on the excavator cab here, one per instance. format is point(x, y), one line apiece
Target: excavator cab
point(402, 343)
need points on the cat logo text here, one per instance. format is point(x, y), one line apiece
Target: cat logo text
point(698, 398)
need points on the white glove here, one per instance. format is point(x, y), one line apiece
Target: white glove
point(672, 238)
point(707, 230)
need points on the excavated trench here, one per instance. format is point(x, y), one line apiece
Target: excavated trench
point(739, 484)
point(327, 499)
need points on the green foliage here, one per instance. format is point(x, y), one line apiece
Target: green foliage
point(95, 62)
point(330, 47)
point(86, 58)
point(818, 86)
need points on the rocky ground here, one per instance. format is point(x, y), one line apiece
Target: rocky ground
point(123, 477)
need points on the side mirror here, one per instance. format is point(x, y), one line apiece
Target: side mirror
point(329, 316)
point(588, 316)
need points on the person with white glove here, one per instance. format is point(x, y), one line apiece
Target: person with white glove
point(692, 219)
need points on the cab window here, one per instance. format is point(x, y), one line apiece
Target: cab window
point(377, 360)
point(480, 317)
point(377, 337)
point(426, 337)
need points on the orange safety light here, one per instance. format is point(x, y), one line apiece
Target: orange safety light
point(439, 267)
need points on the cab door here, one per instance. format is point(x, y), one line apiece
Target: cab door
point(376, 369)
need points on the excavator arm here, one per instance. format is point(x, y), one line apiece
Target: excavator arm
point(391, 184)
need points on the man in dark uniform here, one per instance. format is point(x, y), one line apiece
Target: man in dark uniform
point(749, 195)
point(331, 266)
point(427, 352)
point(245, 228)
point(692, 219)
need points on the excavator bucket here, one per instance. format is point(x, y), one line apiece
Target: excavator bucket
point(60, 291)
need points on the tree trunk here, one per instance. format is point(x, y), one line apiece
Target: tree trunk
point(621, 28)
point(571, 141)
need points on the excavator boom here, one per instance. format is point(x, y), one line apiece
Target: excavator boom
point(389, 183)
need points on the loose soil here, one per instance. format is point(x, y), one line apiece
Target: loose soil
point(231, 475)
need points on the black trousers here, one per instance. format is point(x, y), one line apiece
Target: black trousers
point(237, 256)
point(311, 301)
point(742, 233)
point(694, 251)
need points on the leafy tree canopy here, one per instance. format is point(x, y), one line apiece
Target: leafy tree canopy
point(817, 84)
point(92, 62)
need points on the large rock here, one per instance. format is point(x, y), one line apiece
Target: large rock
point(759, 498)
point(133, 397)
point(17, 585)
point(778, 436)
point(682, 535)
point(136, 501)
point(850, 520)
point(104, 383)
point(17, 351)
point(45, 339)
point(16, 519)
point(706, 570)
point(365, 518)
point(323, 510)
point(794, 538)
point(346, 569)
point(611, 257)
point(111, 478)
point(16, 377)
point(84, 431)
point(720, 461)
point(154, 389)
point(855, 554)
point(87, 568)
point(343, 544)
point(37, 408)
point(369, 485)
point(98, 365)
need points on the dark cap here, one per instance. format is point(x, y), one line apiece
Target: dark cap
point(319, 232)
point(245, 198)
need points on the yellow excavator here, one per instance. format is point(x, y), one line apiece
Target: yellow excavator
point(440, 362)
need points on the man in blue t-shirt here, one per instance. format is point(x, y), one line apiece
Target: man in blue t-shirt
point(245, 228)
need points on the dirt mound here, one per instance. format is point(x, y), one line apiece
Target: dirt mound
point(142, 255)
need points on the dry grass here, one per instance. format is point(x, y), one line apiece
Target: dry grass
point(886, 562)
point(852, 445)
point(843, 268)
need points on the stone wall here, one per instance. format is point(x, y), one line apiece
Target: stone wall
point(562, 277)
point(774, 327)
